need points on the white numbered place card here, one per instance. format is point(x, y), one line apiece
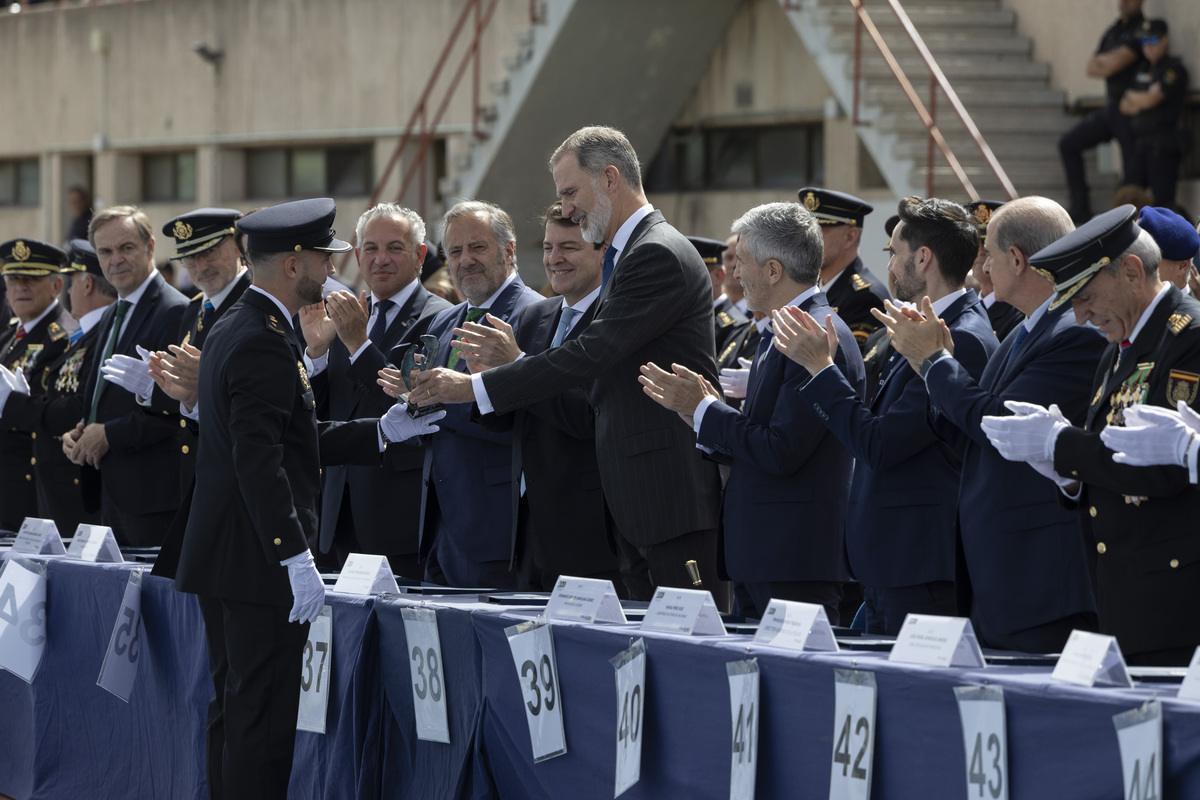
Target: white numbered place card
point(687, 611)
point(38, 537)
point(533, 654)
point(120, 666)
point(1092, 659)
point(853, 735)
point(796, 626)
point(584, 600)
point(366, 575)
point(1139, 735)
point(985, 739)
point(1190, 688)
point(743, 711)
point(630, 666)
point(316, 668)
point(22, 617)
point(95, 543)
point(937, 642)
point(427, 670)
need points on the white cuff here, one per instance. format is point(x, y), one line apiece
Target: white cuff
point(287, 562)
point(1193, 452)
point(354, 356)
point(698, 414)
point(481, 396)
point(315, 366)
point(194, 414)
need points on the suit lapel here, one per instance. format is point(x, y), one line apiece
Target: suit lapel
point(639, 230)
point(138, 316)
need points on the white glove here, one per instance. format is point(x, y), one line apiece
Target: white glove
point(308, 590)
point(1153, 436)
point(131, 374)
point(397, 425)
point(1028, 435)
point(11, 381)
point(733, 381)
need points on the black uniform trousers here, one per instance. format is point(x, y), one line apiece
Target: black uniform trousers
point(1102, 125)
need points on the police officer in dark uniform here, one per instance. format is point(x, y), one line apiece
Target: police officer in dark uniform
point(727, 318)
point(851, 290)
point(1154, 100)
point(1141, 518)
point(1114, 60)
point(38, 335)
point(57, 403)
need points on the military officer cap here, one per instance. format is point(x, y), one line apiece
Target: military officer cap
point(1155, 28)
point(295, 226)
point(981, 211)
point(202, 229)
point(1073, 260)
point(433, 260)
point(1175, 236)
point(835, 208)
point(31, 257)
point(83, 259)
point(709, 249)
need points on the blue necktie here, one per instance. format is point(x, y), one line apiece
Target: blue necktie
point(207, 315)
point(1018, 339)
point(380, 327)
point(564, 325)
point(610, 263)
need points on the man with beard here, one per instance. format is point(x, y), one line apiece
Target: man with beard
point(1023, 574)
point(39, 336)
point(851, 289)
point(655, 305)
point(904, 497)
point(57, 402)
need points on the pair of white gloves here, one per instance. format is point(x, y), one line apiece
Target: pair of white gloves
point(11, 381)
point(1151, 436)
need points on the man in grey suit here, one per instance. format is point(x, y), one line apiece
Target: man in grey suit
point(655, 304)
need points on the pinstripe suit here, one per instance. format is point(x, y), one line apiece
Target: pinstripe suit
point(657, 306)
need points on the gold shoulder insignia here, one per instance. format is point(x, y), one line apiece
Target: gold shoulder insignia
point(725, 319)
point(859, 283)
point(728, 350)
point(1177, 322)
point(871, 354)
point(57, 334)
point(273, 324)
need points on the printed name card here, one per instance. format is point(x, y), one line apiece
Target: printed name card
point(532, 648)
point(1190, 688)
point(1139, 738)
point(687, 611)
point(427, 669)
point(119, 668)
point(1092, 659)
point(22, 616)
point(796, 626)
point(743, 705)
point(937, 642)
point(985, 740)
point(38, 537)
point(584, 600)
point(364, 575)
point(630, 666)
point(95, 543)
point(316, 666)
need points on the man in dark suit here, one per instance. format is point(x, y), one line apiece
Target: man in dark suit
point(900, 525)
point(359, 504)
point(38, 337)
point(56, 400)
point(655, 305)
point(467, 506)
point(1023, 572)
point(130, 459)
point(852, 290)
point(1139, 516)
point(245, 552)
point(784, 516)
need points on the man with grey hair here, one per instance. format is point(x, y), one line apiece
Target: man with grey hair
point(467, 535)
point(1023, 574)
point(359, 504)
point(655, 304)
point(1139, 516)
point(900, 525)
point(784, 515)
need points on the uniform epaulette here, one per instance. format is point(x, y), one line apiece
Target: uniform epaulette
point(728, 350)
point(1178, 322)
point(859, 283)
point(725, 319)
point(274, 324)
point(57, 333)
point(199, 296)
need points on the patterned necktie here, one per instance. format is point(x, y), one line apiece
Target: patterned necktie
point(564, 325)
point(380, 327)
point(610, 263)
point(20, 333)
point(114, 334)
point(473, 315)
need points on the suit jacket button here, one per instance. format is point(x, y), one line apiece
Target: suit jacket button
point(1092, 511)
point(184, 449)
point(1100, 548)
point(33, 460)
point(278, 542)
point(28, 477)
point(34, 435)
point(77, 481)
point(183, 423)
point(1174, 563)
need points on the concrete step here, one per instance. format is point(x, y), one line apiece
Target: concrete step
point(945, 43)
point(957, 17)
point(1004, 148)
point(956, 68)
point(891, 97)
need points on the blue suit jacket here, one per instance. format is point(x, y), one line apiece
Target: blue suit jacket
point(904, 498)
point(784, 515)
point(468, 468)
point(1024, 553)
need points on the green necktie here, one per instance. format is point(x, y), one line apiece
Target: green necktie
point(473, 315)
point(115, 334)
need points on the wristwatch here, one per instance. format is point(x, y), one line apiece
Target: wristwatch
point(933, 359)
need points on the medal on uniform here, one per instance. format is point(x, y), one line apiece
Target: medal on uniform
point(427, 351)
point(1131, 392)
